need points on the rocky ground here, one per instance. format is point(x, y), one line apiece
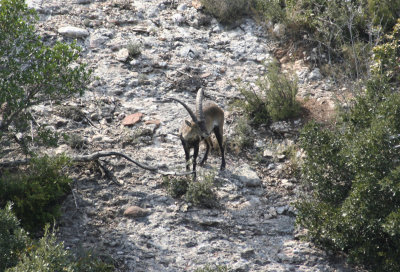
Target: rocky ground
point(132, 218)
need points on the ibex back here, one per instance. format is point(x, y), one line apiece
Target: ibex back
point(208, 118)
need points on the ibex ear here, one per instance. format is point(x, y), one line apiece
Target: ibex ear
point(188, 123)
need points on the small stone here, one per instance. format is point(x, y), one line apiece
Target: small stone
point(153, 122)
point(73, 32)
point(122, 55)
point(315, 75)
point(279, 30)
point(248, 176)
point(268, 153)
point(182, 7)
point(132, 119)
point(178, 19)
point(135, 212)
point(248, 253)
point(197, 4)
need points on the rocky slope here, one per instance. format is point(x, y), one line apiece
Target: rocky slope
point(131, 218)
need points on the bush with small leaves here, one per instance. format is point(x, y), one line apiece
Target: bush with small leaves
point(275, 98)
point(227, 11)
point(32, 73)
point(45, 256)
point(36, 191)
point(213, 268)
point(176, 187)
point(13, 239)
point(201, 192)
point(353, 173)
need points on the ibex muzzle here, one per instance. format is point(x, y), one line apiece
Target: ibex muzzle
point(209, 118)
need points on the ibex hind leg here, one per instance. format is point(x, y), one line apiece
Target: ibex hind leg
point(219, 137)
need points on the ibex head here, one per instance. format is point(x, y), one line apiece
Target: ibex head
point(207, 119)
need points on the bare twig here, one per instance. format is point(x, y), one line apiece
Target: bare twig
point(95, 156)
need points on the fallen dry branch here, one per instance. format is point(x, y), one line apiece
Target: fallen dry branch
point(97, 155)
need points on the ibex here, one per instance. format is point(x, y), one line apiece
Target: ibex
point(208, 118)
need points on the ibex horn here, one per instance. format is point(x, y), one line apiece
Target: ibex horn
point(199, 104)
point(187, 108)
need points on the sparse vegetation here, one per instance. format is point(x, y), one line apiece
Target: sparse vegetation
point(199, 192)
point(213, 268)
point(243, 136)
point(227, 11)
point(134, 49)
point(274, 99)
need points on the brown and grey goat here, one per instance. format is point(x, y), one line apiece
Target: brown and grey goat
point(209, 117)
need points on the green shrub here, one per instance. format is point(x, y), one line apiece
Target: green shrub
point(353, 172)
point(13, 239)
point(384, 12)
point(176, 187)
point(276, 99)
point(36, 191)
point(227, 11)
point(90, 261)
point(272, 10)
point(386, 56)
point(242, 137)
point(45, 256)
point(32, 72)
point(134, 49)
point(201, 192)
point(213, 268)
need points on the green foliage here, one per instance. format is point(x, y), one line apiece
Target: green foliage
point(384, 12)
point(201, 192)
point(176, 187)
point(242, 137)
point(276, 99)
point(45, 256)
point(272, 10)
point(227, 11)
point(36, 191)
point(32, 72)
point(386, 56)
point(213, 268)
point(134, 49)
point(90, 261)
point(13, 239)
point(354, 173)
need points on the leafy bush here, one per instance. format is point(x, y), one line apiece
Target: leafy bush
point(386, 56)
point(48, 255)
point(13, 239)
point(227, 11)
point(176, 187)
point(45, 256)
point(213, 268)
point(272, 10)
point(32, 72)
point(384, 12)
point(354, 173)
point(201, 192)
point(242, 136)
point(36, 191)
point(277, 100)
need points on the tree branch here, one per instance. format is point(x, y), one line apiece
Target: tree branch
point(96, 156)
